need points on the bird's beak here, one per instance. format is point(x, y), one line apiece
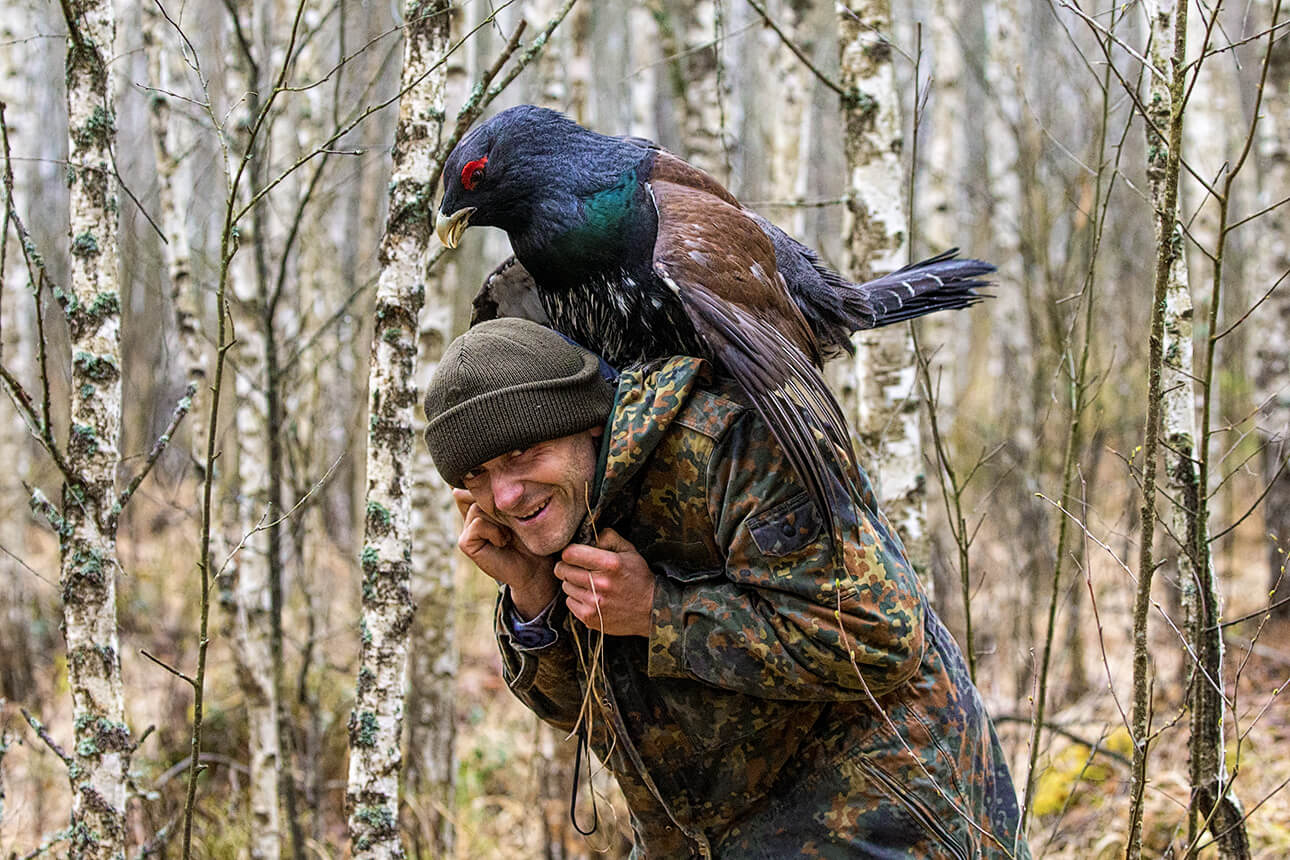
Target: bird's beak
point(450, 227)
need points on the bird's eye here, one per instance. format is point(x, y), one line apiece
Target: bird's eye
point(472, 173)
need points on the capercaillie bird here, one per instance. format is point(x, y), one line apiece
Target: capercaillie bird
point(638, 255)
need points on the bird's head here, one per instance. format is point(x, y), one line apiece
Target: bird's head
point(523, 171)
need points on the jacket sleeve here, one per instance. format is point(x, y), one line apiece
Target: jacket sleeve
point(544, 678)
point(785, 618)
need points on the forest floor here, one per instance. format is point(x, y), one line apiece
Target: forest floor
point(502, 811)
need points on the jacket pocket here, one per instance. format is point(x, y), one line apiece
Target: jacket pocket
point(787, 528)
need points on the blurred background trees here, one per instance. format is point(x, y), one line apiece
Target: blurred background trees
point(255, 155)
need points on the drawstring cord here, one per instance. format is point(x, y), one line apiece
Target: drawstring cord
point(582, 745)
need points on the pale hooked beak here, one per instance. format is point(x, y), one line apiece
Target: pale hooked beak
point(450, 227)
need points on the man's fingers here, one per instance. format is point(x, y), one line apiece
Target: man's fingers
point(480, 533)
point(574, 576)
point(611, 540)
point(591, 558)
point(464, 500)
point(585, 610)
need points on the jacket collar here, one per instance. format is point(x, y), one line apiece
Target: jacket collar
point(648, 400)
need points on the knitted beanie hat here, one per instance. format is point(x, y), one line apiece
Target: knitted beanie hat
point(506, 385)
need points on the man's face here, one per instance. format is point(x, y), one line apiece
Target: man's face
point(540, 493)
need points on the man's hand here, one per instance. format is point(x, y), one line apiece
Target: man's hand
point(608, 587)
point(495, 551)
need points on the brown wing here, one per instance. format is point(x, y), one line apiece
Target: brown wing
point(668, 168)
point(720, 266)
point(706, 241)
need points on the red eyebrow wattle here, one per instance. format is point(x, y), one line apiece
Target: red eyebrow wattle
point(470, 173)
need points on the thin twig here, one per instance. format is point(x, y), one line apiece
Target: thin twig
point(1058, 729)
point(171, 669)
point(845, 95)
point(181, 409)
point(39, 728)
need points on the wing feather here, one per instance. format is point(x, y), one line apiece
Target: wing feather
point(721, 267)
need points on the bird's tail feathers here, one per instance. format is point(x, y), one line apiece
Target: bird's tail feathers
point(939, 283)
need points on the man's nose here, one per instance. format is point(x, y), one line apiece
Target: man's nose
point(507, 492)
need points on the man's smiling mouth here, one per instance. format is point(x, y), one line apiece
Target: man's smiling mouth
point(532, 516)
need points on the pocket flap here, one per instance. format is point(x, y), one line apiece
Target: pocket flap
point(787, 527)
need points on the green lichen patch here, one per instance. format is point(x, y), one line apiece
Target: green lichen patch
point(105, 303)
point(85, 245)
point(84, 440)
point(380, 823)
point(97, 130)
point(97, 368)
point(366, 680)
point(379, 518)
point(363, 728)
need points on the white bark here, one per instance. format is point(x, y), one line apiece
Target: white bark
point(87, 532)
point(689, 31)
point(644, 84)
point(791, 127)
point(1273, 350)
point(886, 401)
point(18, 351)
point(372, 794)
point(246, 585)
point(247, 575)
point(169, 140)
point(944, 151)
point(1212, 798)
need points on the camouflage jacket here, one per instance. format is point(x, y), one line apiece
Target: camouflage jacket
point(782, 706)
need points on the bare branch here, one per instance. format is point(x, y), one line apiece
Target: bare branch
point(181, 409)
point(39, 728)
point(845, 95)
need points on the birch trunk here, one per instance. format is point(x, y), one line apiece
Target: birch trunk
point(87, 532)
point(885, 401)
point(945, 155)
point(168, 140)
point(1212, 800)
point(247, 575)
point(942, 200)
point(1010, 357)
point(16, 654)
point(689, 33)
point(248, 586)
point(1168, 26)
point(372, 794)
point(1273, 355)
point(791, 128)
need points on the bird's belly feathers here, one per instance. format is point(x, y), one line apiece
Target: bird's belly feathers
point(624, 318)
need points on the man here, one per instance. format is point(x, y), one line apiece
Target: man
point(758, 693)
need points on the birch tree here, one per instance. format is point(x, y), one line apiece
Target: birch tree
point(247, 583)
point(434, 657)
point(86, 524)
point(1273, 353)
point(689, 33)
point(86, 519)
point(1173, 29)
point(376, 725)
point(791, 128)
point(1212, 799)
point(883, 375)
point(16, 353)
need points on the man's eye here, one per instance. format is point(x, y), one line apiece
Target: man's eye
point(472, 475)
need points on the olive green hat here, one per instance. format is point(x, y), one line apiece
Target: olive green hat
point(505, 385)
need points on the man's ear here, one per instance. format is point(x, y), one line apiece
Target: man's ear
point(597, 431)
